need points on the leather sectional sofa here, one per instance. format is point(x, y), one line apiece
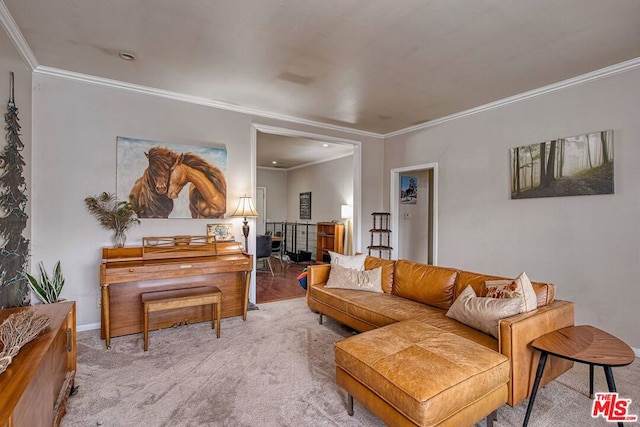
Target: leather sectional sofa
point(424, 293)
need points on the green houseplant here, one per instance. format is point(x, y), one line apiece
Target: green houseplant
point(113, 215)
point(47, 288)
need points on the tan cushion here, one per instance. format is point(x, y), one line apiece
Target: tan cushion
point(424, 283)
point(520, 287)
point(387, 265)
point(545, 293)
point(482, 313)
point(427, 374)
point(348, 278)
point(348, 261)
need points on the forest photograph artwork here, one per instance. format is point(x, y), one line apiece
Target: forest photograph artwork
point(574, 166)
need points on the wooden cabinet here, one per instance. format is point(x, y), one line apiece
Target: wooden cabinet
point(35, 386)
point(330, 237)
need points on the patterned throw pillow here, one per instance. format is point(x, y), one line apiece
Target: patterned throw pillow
point(521, 287)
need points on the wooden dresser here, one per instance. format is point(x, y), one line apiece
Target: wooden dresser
point(37, 383)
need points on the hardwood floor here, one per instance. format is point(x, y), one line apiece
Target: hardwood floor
point(282, 285)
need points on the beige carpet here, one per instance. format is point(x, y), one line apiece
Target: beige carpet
point(275, 369)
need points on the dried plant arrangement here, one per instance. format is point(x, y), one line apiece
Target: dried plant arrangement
point(113, 214)
point(17, 330)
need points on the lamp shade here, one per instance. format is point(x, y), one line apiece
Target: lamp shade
point(245, 208)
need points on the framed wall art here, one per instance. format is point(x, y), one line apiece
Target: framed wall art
point(222, 232)
point(305, 205)
point(574, 166)
point(408, 190)
point(165, 180)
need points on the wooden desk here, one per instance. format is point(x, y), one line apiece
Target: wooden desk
point(126, 273)
point(35, 386)
point(583, 344)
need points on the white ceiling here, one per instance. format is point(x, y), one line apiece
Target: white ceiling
point(377, 66)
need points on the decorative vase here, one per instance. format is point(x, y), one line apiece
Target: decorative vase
point(119, 239)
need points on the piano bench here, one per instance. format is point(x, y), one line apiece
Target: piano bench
point(180, 298)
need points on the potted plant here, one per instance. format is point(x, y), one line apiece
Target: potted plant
point(47, 288)
point(113, 215)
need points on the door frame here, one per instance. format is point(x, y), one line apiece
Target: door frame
point(261, 221)
point(433, 215)
point(357, 176)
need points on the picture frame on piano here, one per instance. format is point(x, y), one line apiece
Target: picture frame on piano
point(222, 232)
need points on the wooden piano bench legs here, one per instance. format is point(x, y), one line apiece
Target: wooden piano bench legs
point(180, 298)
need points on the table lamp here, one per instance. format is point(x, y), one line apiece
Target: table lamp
point(245, 210)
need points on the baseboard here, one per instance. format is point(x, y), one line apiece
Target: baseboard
point(90, 327)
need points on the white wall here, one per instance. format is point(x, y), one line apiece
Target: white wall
point(275, 181)
point(74, 156)
point(330, 184)
point(589, 246)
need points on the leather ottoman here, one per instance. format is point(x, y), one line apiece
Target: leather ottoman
point(410, 373)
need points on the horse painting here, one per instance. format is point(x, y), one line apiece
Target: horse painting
point(208, 189)
point(149, 193)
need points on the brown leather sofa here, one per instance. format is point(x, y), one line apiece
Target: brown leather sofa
point(414, 291)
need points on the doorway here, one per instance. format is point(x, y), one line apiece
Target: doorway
point(414, 213)
point(259, 132)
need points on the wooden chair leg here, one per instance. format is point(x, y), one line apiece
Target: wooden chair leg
point(218, 317)
point(213, 315)
point(146, 328)
point(269, 264)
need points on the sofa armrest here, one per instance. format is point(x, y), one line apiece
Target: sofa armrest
point(316, 274)
point(517, 333)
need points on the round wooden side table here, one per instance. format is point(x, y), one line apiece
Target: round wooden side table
point(583, 344)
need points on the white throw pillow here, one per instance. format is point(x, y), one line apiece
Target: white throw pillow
point(482, 313)
point(349, 278)
point(348, 261)
point(520, 287)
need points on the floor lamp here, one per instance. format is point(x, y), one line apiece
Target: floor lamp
point(346, 212)
point(245, 210)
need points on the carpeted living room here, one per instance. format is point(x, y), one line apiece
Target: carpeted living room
point(275, 369)
point(333, 213)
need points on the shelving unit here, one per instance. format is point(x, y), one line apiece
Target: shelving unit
point(382, 232)
point(330, 237)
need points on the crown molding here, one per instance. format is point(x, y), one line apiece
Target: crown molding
point(14, 33)
point(574, 81)
point(116, 84)
point(564, 84)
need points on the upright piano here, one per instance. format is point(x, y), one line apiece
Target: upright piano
point(170, 263)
